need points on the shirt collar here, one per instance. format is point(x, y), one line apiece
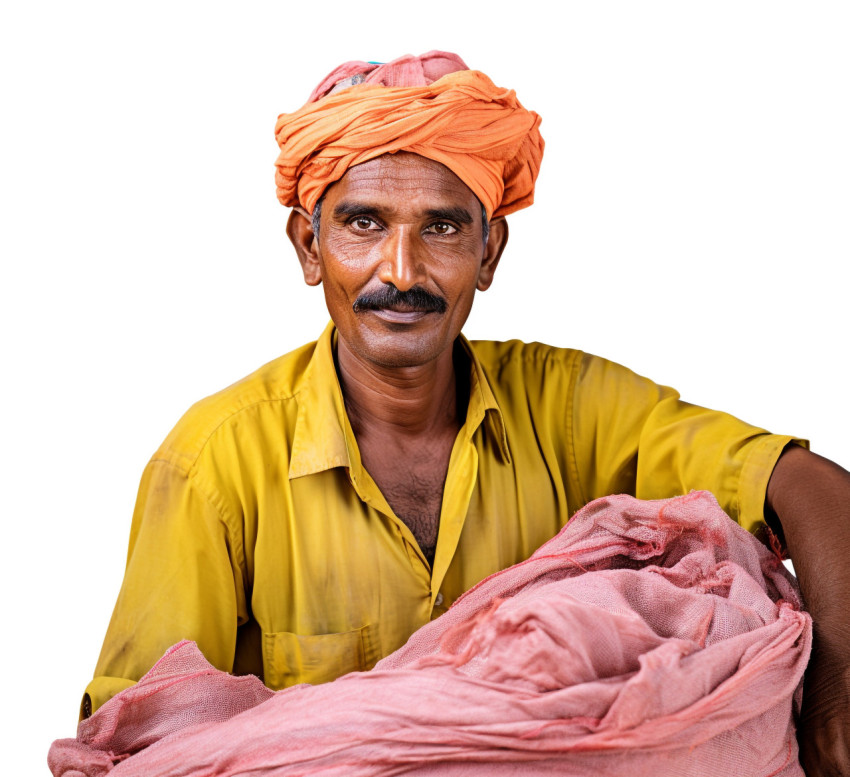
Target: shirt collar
point(323, 437)
point(483, 405)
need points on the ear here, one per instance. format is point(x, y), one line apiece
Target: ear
point(299, 229)
point(496, 242)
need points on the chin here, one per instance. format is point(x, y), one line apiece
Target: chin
point(395, 351)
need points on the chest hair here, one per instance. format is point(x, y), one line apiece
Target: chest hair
point(412, 482)
point(417, 500)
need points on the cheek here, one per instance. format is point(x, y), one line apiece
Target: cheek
point(459, 277)
point(348, 252)
point(346, 269)
point(463, 257)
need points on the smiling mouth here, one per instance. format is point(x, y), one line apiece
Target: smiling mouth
point(400, 316)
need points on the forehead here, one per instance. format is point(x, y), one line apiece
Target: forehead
point(402, 177)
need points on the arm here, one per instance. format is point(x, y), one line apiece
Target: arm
point(636, 437)
point(810, 497)
point(183, 580)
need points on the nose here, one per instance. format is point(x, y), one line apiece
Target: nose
point(401, 262)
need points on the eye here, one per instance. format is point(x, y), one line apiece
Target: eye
point(442, 228)
point(364, 223)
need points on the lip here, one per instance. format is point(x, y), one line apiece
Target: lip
point(400, 316)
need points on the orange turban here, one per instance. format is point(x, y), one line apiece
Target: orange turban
point(429, 105)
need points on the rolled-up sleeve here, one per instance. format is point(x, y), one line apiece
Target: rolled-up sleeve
point(634, 436)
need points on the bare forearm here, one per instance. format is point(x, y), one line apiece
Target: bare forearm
point(810, 496)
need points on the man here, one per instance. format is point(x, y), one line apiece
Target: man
point(304, 522)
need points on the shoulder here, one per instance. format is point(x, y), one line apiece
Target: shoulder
point(540, 368)
point(511, 355)
point(527, 380)
point(513, 359)
point(267, 392)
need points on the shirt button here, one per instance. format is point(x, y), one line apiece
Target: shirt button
point(438, 600)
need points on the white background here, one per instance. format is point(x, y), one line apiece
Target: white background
point(691, 222)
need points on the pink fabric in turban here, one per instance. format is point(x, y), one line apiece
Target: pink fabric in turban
point(404, 71)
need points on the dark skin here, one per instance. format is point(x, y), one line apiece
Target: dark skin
point(410, 222)
point(809, 496)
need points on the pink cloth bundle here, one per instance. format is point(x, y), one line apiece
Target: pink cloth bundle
point(647, 638)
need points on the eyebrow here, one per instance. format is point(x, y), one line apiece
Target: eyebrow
point(345, 209)
point(461, 215)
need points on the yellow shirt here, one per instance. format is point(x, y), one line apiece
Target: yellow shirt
point(259, 534)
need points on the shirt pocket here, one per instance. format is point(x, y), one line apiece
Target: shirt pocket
point(289, 659)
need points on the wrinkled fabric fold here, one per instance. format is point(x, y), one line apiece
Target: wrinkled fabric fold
point(647, 638)
point(407, 70)
point(479, 131)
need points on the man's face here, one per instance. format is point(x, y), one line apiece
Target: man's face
point(401, 223)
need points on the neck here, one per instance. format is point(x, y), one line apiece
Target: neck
point(404, 401)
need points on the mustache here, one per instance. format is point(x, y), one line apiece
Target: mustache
point(388, 296)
